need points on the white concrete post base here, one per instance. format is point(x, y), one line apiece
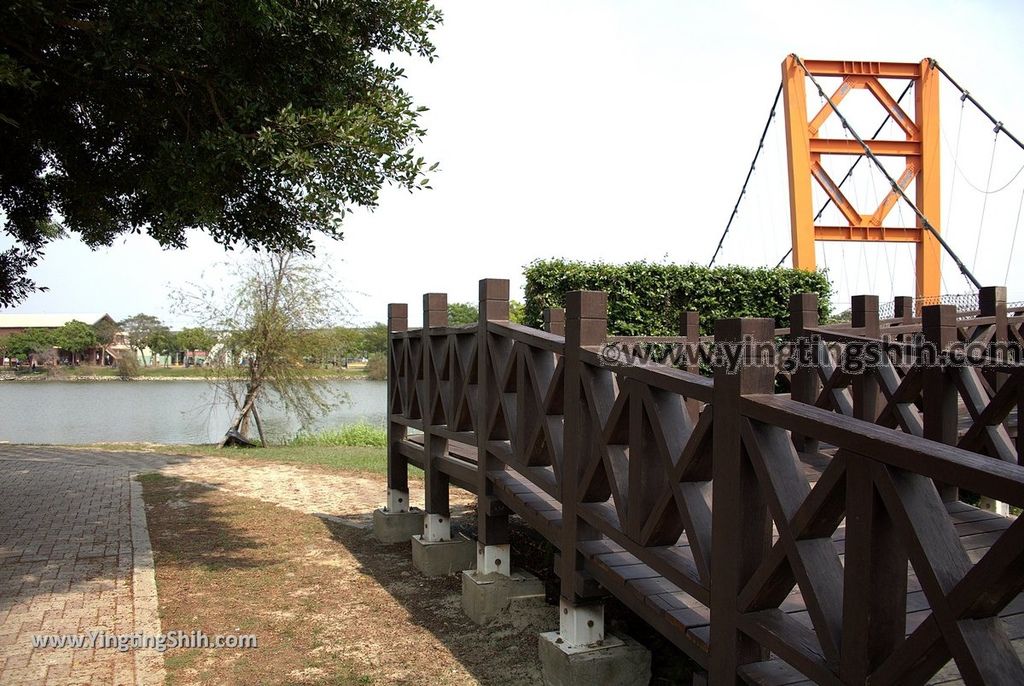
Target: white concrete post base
point(1000, 508)
point(494, 559)
point(398, 502)
point(580, 625)
point(436, 528)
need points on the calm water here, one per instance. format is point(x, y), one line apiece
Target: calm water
point(156, 411)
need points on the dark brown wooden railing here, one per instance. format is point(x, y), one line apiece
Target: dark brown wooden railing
point(687, 498)
point(973, 406)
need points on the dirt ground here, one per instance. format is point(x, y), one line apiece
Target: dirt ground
point(237, 550)
point(347, 496)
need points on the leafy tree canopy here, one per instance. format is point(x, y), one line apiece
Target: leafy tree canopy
point(74, 336)
point(468, 313)
point(259, 123)
point(144, 330)
point(163, 342)
point(375, 339)
point(105, 331)
point(30, 341)
point(195, 338)
point(462, 313)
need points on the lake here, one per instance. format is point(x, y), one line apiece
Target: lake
point(76, 412)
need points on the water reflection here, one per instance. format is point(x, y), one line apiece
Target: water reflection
point(157, 411)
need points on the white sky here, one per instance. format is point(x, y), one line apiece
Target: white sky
point(619, 131)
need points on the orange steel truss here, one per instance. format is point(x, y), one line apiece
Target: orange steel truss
point(919, 147)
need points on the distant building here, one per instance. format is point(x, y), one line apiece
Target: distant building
point(17, 323)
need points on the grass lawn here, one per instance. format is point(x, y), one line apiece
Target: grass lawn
point(371, 460)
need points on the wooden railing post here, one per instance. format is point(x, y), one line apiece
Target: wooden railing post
point(493, 552)
point(586, 324)
point(903, 308)
point(805, 384)
point(741, 528)
point(398, 465)
point(875, 578)
point(554, 320)
point(992, 303)
point(437, 517)
point(938, 390)
point(866, 397)
point(689, 329)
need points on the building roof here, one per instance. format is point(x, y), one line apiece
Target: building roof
point(47, 321)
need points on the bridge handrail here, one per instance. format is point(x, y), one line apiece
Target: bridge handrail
point(945, 463)
point(688, 476)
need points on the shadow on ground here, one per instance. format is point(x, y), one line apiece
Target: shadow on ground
point(203, 536)
point(64, 528)
point(506, 651)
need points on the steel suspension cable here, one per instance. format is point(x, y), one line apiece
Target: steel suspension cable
point(892, 182)
point(956, 156)
point(849, 172)
point(750, 172)
point(999, 128)
point(1013, 243)
point(984, 204)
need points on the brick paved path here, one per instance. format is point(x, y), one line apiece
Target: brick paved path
point(69, 564)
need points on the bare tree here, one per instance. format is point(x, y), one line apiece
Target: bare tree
point(265, 326)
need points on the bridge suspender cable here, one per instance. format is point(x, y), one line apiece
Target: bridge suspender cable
point(999, 128)
point(892, 182)
point(753, 163)
point(849, 172)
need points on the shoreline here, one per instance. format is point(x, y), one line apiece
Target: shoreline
point(92, 379)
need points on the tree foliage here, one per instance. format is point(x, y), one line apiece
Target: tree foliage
point(259, 123)
point(191, 339)
point(646, 299)
point(144, 331)
point(374, 339)
point(74, 337)
point(163, 341)
point(266, 320)
point(468, 313)
point(29, 342)
point(462, 313)
point(127, 368)
point(105, 331)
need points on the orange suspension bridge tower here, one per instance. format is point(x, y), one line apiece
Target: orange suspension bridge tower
point(919, 146)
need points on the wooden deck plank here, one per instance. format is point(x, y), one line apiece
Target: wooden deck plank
point(772, 673)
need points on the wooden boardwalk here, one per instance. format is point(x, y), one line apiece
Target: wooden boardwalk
point(851, 559)
point(682, 618)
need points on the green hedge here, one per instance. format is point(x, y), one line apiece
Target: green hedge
point(646, 299)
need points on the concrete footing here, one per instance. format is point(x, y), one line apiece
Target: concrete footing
point(485, 597)
point(616, 661)
point(996, 506)
point(440, 558)
point(396, 527)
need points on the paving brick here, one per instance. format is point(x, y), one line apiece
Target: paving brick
point(66, 562)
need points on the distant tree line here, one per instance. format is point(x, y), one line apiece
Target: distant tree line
point(468, 313)
point(147, 333)
point(75, 338)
